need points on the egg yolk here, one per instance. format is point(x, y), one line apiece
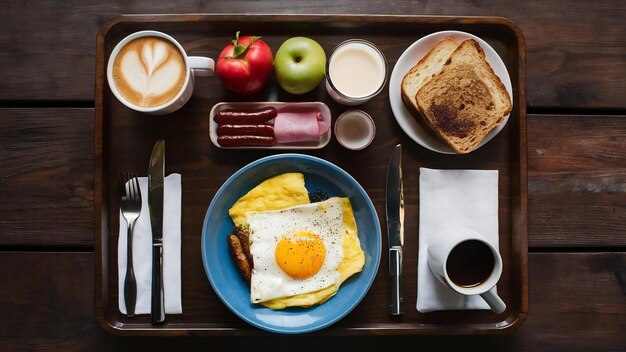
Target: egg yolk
point(300, 255)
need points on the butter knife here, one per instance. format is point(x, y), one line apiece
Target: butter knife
point(395, 229)
point(156, 174)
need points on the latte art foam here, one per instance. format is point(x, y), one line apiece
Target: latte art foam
point(149, 71)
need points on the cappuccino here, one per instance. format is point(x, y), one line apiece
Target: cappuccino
point(149, 71)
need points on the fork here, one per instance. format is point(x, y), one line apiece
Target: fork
point(131, 207)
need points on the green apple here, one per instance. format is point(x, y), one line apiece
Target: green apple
point(299, 65)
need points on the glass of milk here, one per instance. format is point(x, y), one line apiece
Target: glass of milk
point(355, 72)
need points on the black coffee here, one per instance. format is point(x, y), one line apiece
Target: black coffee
point(470, 263)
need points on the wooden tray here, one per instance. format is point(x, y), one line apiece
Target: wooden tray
point(124, 139)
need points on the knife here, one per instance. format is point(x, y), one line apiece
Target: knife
point(395, 229)
point(156, 173)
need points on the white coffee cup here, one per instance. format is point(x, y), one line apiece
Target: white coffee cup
point(467, 263)
point(194, 65)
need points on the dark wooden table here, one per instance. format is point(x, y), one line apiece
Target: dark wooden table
point(576, 103)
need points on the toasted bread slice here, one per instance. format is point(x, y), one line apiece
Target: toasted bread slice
point(425, 69)
point(466, 100)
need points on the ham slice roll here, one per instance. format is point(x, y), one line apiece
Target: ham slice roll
point(299, 125)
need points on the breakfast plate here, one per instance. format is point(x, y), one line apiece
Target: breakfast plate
point(234, 291)
point(411, 56)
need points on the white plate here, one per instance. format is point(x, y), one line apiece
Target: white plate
point(411, 56)
point(323, 108)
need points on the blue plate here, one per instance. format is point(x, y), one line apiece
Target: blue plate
point(235, 292)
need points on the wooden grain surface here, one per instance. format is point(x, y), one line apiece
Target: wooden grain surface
point(46, 185)
point(568, 312)
point(577, 181)
point(583, 168)
point(576, 55)
point(576, 70)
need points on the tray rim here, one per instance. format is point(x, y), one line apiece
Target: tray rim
point(519, 211)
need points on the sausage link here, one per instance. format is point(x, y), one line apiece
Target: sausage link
point(246, 140)
point(244, 238)
point(239, 257)
point(242, 130)
point(245, 116)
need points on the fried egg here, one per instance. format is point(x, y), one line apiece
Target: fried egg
point(304, 255)
point(295, 250)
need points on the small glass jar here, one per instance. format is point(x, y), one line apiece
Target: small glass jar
point(355, 129)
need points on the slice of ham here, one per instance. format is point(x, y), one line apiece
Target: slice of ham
point(299, 125)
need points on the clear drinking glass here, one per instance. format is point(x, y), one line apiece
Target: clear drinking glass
point(356, 71)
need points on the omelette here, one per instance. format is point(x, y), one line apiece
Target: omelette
point(302, 251)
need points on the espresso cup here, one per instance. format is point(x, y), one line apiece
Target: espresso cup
point(467, 263)
point(150, 72)
point(356, 71)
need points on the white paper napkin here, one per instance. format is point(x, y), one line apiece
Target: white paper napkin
point(453, 198)
point(142, 250)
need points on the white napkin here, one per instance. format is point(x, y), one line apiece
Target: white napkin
point(453, 198)
point(142, 250)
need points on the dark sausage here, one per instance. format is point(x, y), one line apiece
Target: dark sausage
point(244, 238)
point(247, 140)
point(242, 130)
point(239, 257)
point(245, 116)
